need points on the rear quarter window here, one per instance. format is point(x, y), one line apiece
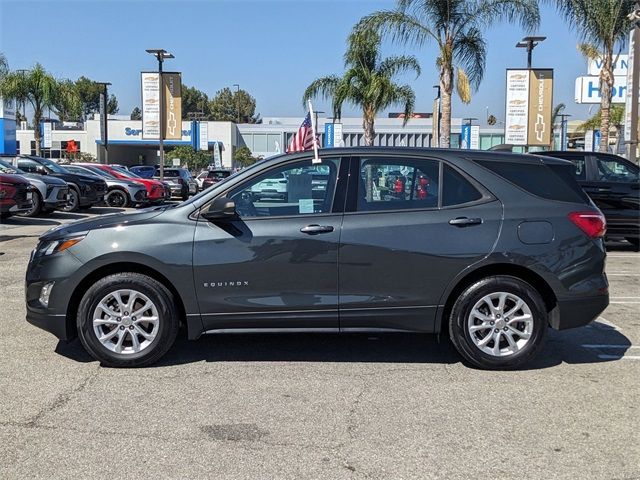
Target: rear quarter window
point(553, 182)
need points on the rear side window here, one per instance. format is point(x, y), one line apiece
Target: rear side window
point(540, 179)
point(456, 189)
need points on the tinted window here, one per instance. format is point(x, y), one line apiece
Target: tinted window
point(218, 174)
point(612, 170)
point(580, 171)
point(392, 184)
point(298, 189)
point(456, 189)
point(538, 179)
point(28, 166)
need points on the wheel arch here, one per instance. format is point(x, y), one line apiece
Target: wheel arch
point(112, 268)
point(508, 269)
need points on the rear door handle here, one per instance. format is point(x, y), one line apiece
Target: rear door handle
point(316, 229)
point(464, 221)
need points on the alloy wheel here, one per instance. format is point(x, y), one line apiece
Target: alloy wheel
point(500, 324)
point(126, 321)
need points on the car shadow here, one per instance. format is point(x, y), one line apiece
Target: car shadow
point(577, 346)
point(17, 221)
point(614, 245)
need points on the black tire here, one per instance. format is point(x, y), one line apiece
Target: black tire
point(168, 323)
point(461, 337)
point(117, 198)
point(73, 201)
point(5, 215)
point(635, 241)
point(37, 206)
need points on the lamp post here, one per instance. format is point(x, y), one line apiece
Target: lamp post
point(530, 43)
point(634, 16)
point(563, 130)
point(104, 117)
point(237, 102)
point(438, 113)
point(161, 55)
point(315, 113)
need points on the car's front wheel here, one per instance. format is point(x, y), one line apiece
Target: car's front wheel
point(73, 201)
point(498, 322)
point(127, 320)
point(36, 208)
point(117, 198)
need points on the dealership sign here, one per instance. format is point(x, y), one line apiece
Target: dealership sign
point(332, 135)
point(470, 137)
point(529, 105)
point(172, 105)
point(588, 90)
point(151, 105)
point(620, 66)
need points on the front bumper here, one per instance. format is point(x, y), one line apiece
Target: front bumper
point(56, 197)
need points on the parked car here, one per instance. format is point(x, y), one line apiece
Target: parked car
point(143, 171)
point(120, 193)
point(155, 189)
point(50, 192)
point(271, 188)
point(84, 191)
point(612, 183)
point(215, 176)
point(180, 181)
point(510, 245)
point(200, 178)
point(15, 195)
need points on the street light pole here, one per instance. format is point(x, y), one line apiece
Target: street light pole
point(530, 43)
point(635, 85)
point(104, 117)
point(563, 130)
point(161, 55)
point(436, 137)
point(237, 102)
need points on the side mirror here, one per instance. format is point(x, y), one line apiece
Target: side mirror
point(222, 208)
point(40, 170)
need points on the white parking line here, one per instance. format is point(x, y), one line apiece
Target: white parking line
point(619, 357)
point(591, 345)
point(625, 303)
point(627, 274)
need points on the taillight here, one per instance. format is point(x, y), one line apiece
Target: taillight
point(591, 223)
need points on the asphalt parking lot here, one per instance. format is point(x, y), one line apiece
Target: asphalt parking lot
point(318, 406)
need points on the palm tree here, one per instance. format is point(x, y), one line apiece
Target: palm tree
point(4, 65)
point(457, 28)
point(602, 25)
point(367, 82)
point(557, 110)
point(36, 86)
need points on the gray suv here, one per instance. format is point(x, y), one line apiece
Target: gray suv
point(490, 248)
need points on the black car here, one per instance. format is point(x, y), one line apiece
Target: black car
point(85, 191)
point(180, 181)
point(612, 183)
point(504, 247)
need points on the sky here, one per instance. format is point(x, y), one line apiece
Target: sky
point(271, 48)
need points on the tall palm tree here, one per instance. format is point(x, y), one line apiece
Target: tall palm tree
point(36, 86)
point(603, 26)
point(367, 82)
point(456, 26)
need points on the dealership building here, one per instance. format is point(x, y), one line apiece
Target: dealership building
point(127, 146)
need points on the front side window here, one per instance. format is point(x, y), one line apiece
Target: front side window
point(611, 170)
point(301, 188)
point(28, 166)
point(392, 184)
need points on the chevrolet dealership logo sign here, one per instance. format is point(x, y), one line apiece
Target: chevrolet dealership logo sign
point(529, 106)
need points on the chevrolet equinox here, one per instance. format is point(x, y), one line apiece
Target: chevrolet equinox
point(490, 248)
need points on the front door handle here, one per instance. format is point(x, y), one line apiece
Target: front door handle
point(464, 221)
point(316, 229)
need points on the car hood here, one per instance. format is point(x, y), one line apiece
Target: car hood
point(46, 179)
point(103, 221)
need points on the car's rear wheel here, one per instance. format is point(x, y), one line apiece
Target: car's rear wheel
point(127, 320)
point(499, 322)
point(36, 209)
point(117, 198)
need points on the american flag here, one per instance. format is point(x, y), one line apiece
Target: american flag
point(304, 138)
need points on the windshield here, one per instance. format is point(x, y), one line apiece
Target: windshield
point(53, 166)
point(98, 171)
point(126, 173)
point(8, 168)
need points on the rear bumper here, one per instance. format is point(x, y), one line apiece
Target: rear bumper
point(578, 312)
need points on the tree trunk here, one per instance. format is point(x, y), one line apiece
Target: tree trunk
point(37, 116)
point(368, 125)
point(446, 89)
point(606, 86)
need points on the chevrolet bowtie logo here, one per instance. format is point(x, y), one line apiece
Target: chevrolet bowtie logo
point(540, 127)
point(171, 123)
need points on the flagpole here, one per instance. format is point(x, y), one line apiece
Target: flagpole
point(316, 158)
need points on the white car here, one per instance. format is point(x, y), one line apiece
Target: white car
point(273, 188)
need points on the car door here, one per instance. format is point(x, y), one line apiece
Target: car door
point(412, 224)
point(614, 188)
point(274, 265)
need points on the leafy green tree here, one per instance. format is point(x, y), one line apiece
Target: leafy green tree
point(243, 157)
point(194, 159)
point(67, 104)
point(228, 106)
point(4, 65)
point(194, 100)
point(37, 87)
point(89, 92)
point(367, 82)
point(136, 114)
point(603, 26)
point(457, 27)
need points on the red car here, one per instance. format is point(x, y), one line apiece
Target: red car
point(16, 195)
point(155, 189)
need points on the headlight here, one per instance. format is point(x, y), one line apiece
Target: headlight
point(56, 246)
